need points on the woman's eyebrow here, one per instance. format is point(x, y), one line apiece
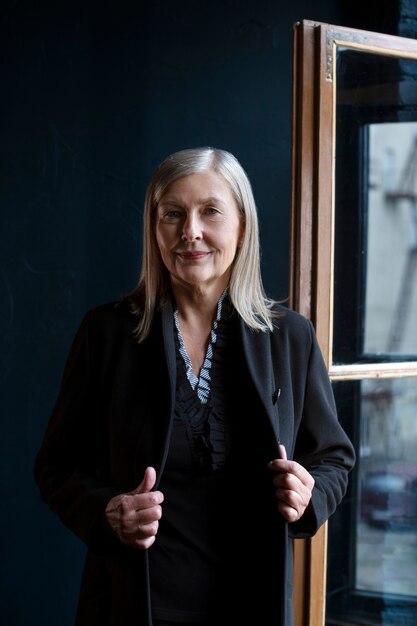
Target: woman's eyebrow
point(169, 201)
point(213, 199)
point(177, 202)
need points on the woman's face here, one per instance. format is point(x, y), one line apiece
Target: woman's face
point(198, 229)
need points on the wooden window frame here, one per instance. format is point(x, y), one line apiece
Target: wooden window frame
point(312, 239)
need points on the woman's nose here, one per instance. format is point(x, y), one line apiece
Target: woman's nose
point(191, 230)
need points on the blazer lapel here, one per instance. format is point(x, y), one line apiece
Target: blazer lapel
point(257, 350)
point(169, 345)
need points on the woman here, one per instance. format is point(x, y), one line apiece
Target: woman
point(166, 452)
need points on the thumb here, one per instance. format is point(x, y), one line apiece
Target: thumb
point(148, 481)
point(283, 451)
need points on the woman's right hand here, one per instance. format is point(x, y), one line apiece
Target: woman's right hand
point(134, 516)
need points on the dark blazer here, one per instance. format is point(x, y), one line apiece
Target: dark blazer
point(112, 419)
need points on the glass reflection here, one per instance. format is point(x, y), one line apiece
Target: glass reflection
point(375, 258)
point(391, 242)
point(372, 543)
point(386, 544)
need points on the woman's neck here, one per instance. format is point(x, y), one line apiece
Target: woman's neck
point(196, 311)
point(197, 304)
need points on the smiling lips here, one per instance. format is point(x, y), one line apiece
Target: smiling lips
point(195, 255)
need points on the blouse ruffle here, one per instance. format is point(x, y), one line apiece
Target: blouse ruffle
point(206, 423)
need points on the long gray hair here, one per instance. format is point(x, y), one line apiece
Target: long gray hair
point(245, 289)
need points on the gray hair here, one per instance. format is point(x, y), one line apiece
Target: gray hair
point(245, 289)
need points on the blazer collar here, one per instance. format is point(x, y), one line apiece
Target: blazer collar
point(257, 350)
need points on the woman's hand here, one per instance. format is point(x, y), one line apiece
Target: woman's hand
point(293, 486)
point(134, 517)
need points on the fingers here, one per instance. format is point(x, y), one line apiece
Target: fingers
point(283, 451)
point(136, 527)
point(134, 516)
point(290, 490)
point(141, 525)
point(293, 497)
point(142, 496)
point(148, 481)
point(293, 486)
point(283, 466)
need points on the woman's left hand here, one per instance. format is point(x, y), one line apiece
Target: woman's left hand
point(293, 486)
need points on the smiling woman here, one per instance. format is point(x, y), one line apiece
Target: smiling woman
point(198, 234)
point(195, 432)
point(245, 285)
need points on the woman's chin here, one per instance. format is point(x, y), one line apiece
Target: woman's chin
point(199, 281)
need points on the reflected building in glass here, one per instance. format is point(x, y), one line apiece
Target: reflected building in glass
point(391, 246)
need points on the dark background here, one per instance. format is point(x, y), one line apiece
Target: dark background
point(93, 97)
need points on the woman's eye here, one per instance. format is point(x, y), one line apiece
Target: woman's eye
point(173, 214)
point(211, 210)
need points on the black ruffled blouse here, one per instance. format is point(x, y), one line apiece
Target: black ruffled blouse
point(187, 554)
point(201, 402)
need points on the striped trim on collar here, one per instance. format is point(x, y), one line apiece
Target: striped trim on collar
point(202, 383)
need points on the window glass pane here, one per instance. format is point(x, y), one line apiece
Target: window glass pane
point(375, 270)
point(372, 544)
point(390, 277)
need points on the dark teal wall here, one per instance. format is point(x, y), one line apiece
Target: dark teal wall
point(93, 96)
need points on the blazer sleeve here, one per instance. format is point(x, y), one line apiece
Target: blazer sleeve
point(322, 446)
point(68, 468)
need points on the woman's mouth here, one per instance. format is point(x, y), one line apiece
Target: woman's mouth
point(193, 256)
